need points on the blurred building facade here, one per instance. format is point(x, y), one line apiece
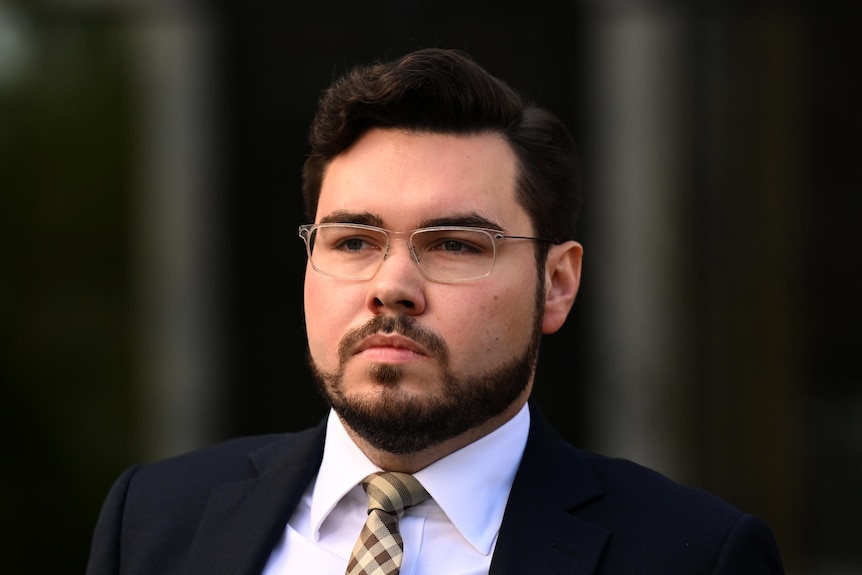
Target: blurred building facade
point(150, 160)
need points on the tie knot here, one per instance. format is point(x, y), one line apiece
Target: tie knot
point(393, 492)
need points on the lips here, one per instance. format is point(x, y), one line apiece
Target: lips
point(395, 341)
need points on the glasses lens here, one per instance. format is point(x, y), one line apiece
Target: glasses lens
point(346, 251)
point(454, 254)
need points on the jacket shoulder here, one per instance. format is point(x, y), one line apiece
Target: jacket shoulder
point(656, 520)
point(620, 517)
point(152, 514)
point(231, 460)
point(643, 489)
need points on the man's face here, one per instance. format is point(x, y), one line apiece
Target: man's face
point(407, 362)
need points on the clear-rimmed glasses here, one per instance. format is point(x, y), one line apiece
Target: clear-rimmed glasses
point(446, 254)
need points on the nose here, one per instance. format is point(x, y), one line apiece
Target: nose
point(398, 284)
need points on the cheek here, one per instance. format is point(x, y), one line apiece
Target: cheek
point(516, 314)
point(325, 320)
point(495, 325)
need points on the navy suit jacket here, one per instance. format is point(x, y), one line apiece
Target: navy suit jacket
point(221, 510)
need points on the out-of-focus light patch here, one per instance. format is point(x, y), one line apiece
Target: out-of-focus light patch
point(16, 46)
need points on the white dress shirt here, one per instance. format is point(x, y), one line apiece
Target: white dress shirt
point(453, 533)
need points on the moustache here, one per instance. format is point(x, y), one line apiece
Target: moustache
point(400, 324)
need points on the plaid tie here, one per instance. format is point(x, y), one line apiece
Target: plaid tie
point(380, 547)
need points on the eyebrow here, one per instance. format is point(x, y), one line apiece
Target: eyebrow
point(348, 217)
point(463, 219)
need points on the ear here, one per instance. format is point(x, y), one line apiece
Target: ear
point(562, 279)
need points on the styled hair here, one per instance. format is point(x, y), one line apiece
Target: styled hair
point(445, 91)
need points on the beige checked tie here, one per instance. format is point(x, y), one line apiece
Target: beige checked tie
point(379, 549)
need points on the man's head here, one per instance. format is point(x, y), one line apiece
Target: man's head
point(446, 92)
point(415, 351)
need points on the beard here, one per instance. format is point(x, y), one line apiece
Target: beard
point(396, 421)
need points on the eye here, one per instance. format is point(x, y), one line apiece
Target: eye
point(355, 244)
point(457, 243)
point(453, 245)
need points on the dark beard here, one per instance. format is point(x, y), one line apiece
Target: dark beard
point(398, 422)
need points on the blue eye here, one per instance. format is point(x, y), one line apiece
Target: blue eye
point(454, 242)
point(353, 244)
point(452, 245)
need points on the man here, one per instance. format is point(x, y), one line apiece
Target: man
point(442, 248)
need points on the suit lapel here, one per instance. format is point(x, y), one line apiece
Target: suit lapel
point(243, 521)
point(539, 535)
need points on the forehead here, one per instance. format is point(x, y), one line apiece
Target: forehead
point(406, 180)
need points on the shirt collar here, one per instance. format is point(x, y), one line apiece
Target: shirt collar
point(471, 485)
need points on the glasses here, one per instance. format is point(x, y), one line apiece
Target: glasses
point(446, 254)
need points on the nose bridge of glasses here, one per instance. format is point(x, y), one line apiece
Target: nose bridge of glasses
point(407, 238)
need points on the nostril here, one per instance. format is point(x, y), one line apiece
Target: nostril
point(405, 303)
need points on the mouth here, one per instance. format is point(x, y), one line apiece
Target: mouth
point(390, 348)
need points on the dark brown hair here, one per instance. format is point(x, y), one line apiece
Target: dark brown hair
point(445, 91)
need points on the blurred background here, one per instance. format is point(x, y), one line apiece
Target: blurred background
point(151, 277)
